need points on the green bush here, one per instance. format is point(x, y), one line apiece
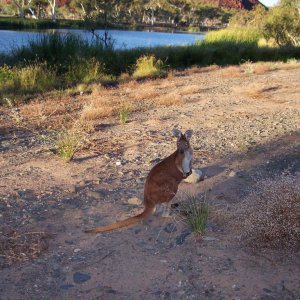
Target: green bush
point(148, 66)
point(30, 79)
point(83, 71)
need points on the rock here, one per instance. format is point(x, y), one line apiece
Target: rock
point(94, 194)
point(65, 287)
point(72, 189)
point(157, 293)
point(267, 290)
point(196, 176)
point(280, 287)
point(210, 238)
point(181, 238)
point(135, 201)
point(170, 228)
point(138, 180)
point(232, 174)
point(79, 277)
point(111, 291)
point(76, 250)
point(118, 163)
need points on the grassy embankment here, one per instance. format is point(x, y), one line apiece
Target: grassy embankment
point(60, 62)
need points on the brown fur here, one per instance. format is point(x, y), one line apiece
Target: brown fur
point(161, 186)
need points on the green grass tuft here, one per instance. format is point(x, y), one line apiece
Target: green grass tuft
point(67, 143)
point(123, 114)
point(196, 212)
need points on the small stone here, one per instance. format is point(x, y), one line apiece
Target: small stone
point(111, 291)
point(196, 176)
point(280, 287)
point(170, 228)
point(210, 238)
point(134, 201)
point(235, 287)
point(267, 290)
point(79, 277)
point(180, 239)
point(138, 180)
point(72, 189)
point(94, 194)
point(157, 293)
point(69, 242)
point(77, 250)
point(65, 287)
point(118, 163)
point(232, 174)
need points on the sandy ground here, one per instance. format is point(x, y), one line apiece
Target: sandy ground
point(246, 126)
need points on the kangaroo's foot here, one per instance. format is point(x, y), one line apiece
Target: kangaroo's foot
point(166, 210)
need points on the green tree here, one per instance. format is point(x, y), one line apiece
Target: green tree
point(283, 23)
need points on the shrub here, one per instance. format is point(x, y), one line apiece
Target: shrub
point(148, 66)
point(67, 144)
point(270, 215)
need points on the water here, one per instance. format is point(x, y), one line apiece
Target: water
point(123, 39)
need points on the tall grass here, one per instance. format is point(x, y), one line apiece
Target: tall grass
point(244, 36)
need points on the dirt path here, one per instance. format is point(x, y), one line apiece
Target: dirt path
point(246, 126)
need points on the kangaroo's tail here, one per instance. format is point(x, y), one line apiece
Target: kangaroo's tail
point(127, 222)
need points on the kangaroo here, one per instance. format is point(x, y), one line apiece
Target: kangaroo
point(161, 183)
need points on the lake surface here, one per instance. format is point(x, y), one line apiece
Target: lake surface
point(123, 38)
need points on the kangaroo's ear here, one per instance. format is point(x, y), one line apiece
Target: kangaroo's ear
point(188, 134)
point(177, 133)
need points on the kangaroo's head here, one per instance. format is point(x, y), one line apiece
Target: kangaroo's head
point(184, 151)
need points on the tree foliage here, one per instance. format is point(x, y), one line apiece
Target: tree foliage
point(283, 23)
point(176, 12)
point(280, 23)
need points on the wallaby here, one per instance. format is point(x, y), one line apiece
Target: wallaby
point(162, 181)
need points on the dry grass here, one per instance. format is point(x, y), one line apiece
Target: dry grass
point(169, 99)
point(18, 247)
point(270, 215)
point(262, 68)
point(197, 70)
point(258, 91)
point(232, 71)
point(189, 90)
point(145, 92)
